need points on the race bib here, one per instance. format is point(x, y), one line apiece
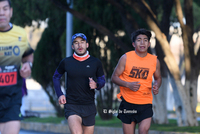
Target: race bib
point(8, 75)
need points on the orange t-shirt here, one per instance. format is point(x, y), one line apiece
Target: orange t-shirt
point(138, 69)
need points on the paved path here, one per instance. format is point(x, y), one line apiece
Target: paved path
point(42, 104)
point(34, 132)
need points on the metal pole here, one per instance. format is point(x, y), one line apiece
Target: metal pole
point(69, 30)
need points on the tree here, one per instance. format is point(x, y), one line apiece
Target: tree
point(192, 66)
point(48, 53)
point(47, 57)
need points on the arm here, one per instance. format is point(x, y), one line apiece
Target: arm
point(100, 77)
point(100, 82)
point(118, 71)
point(97, 85)
point(57, 87)
point(157, 78)
point(27, 61)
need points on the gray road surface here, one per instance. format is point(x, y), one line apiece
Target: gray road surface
point(34, 132)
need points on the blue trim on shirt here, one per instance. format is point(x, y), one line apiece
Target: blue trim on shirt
point(100, 82)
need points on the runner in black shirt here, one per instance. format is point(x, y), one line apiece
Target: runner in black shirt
point(84, 75)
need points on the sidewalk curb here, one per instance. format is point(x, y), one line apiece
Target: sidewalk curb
point(63, 129)
point(45, 127)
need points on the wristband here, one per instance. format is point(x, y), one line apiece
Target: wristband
point(30, 63)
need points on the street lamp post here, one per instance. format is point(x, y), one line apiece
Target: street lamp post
point(69, 30)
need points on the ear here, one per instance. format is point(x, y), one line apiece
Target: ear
point(149, 44)
point(73, 47)
point(133, 44)
point(87, 45)
point(11, 12)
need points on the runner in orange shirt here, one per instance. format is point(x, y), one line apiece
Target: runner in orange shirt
point(134, 74)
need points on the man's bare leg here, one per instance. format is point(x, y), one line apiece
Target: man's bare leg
point(129, 128)
point(88, 129)
point(144, 126)
point(75, 124)
point(10, 127)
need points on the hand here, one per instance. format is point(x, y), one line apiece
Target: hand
point(25, 70)
point(92, 83)
point(134, 86)
point(62, 99)
point(155, 88)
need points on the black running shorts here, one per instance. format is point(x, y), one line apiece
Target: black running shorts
point(86, 112)
point(129, 112)
point(11, 114)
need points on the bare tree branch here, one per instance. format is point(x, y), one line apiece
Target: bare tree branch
point(165, 23)
point(147, 6)
point(179, 14)
point(92, 23)
point(129, 22)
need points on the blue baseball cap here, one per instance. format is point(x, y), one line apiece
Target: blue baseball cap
point(79, 35)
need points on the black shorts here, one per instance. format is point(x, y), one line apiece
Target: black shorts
point(129, 112)
point(11, 114)
point(86, 112)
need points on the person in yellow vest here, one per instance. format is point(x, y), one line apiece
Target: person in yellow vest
point(134, 74)
point(16, 57)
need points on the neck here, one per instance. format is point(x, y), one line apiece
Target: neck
point(81, 55)
point(81, 58)
point(7, 27)
point(141, 54)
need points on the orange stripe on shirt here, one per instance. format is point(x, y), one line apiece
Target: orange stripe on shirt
point(81, 58)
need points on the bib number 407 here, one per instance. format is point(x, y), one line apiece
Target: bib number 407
point(8, 79)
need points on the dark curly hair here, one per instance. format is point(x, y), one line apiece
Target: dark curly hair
point(140, 31)
point(9, 1)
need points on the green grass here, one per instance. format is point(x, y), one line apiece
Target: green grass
point(172, 127)
point(114, 122)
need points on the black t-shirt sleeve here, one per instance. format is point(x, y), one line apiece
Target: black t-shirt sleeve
point(57, 76)
point(61, 67)
point(100, 76)
point(100, 71)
